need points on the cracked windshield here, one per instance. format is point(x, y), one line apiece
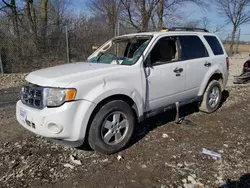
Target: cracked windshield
point(121, 51)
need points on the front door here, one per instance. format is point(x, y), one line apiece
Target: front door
point(166, 77)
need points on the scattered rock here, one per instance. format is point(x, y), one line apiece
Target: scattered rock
point(185, 185)
point(225, 145)
point(165, 135)
point(20, 174)
point(180, 165)
point(68, 166)
point(184, 181)
point(75, 183)
point(143, 166)
point(128, 167)
point(215, 158)
point(191, 180)
point(105, 160)
point(75, 160)
point(199, 185)
point(119, 157)
point(193, 175)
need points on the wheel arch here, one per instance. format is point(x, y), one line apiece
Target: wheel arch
point(216, 75)
point(122, 97)
point(104, 101)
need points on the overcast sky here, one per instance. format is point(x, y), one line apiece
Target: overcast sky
point(194, 13)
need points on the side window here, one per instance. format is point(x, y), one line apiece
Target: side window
point(214, 44)
point(192, 48)
point(165, 51)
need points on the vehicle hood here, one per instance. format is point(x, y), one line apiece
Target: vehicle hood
point(63, 75)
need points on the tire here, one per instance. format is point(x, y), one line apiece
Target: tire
point(112, 127)
point(207, 105)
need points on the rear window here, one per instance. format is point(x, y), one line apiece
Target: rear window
point(214, 44)
point(192, 48)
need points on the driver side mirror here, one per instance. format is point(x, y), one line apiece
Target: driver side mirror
point(148, 62)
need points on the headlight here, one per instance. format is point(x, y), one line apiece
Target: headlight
point(56, 96)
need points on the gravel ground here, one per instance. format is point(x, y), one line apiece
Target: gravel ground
point(11, 80)
point(162, 154)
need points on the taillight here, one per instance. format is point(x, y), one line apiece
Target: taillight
point(228, 63)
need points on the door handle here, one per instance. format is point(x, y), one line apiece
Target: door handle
point(178, 70)
point(207, 64)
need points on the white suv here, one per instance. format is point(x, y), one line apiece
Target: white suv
point(127, 79)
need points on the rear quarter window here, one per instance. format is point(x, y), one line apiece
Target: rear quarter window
point(214, 44)
point(192, 48)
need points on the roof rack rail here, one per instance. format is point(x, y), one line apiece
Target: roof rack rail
point(187, 29)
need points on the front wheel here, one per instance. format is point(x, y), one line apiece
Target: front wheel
point(212, 97)
point(112, 127)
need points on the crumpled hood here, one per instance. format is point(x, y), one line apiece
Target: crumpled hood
point(63, 75)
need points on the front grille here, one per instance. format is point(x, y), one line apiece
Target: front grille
point(32, 96)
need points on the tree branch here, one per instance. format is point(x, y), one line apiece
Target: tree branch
point(7, 4)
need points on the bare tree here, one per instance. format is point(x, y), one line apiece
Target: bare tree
point(236, 12)
point(160, 13)
point(14, 17)
point(59, 11)
point(109, 9)
point(44, 21)
point(168, 7)
point(192, 24)
point(205, 22)
point(31, 16)
point(139, 12)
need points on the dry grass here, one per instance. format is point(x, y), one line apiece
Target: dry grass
point(242, 47)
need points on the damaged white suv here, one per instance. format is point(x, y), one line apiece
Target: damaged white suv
point(129, 78)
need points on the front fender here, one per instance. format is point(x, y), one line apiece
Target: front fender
point(105, 90)
point(213, 70)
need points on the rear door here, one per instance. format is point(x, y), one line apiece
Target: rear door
point(195, 54)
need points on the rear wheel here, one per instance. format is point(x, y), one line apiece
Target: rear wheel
point(212, 97)
point(112, 127)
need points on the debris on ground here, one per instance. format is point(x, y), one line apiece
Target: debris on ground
point(105, 160)
point(75, 160)
point(188, 122)
point(211, 153)
point(225, 145)
point(164, 135)
point(68, 166)
point(244, 77)
point(119, 157)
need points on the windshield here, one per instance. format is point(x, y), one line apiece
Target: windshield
point(121, 50)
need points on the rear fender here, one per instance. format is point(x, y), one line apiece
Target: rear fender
point(213, 70)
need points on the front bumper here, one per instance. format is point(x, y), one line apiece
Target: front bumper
point(71, 119)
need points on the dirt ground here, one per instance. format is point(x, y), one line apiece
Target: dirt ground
point(162, 154)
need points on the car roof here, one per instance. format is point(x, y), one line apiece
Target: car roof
point(164, 33)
